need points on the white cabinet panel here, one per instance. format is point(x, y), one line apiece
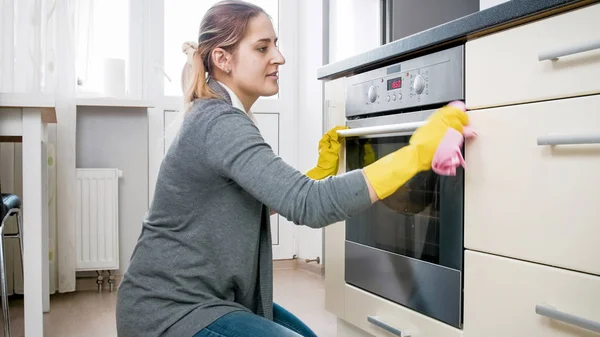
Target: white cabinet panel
point(360, 305)
point(501, 296)
point(335, 234)
point(503, 68)
point(535, 202)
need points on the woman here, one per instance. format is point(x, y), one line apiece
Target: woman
point(203, 263)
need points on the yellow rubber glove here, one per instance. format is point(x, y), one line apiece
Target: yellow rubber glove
point(329, 155)
point(391, 172)
point(369, 157)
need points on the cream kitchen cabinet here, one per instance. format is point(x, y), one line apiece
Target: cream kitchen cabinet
point(531, 225)
point(529, 200)
point(516, 66)
point(335, 234)
point(531, 190)
point(506, 297)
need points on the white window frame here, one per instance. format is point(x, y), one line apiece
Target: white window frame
point(148, 81)
point(135, 67)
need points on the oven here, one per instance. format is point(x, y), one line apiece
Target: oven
point(407, 248)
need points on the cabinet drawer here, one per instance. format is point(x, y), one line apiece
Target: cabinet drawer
point(361, 305)
point(535, 202)
point(501, 296)
point(503, 68)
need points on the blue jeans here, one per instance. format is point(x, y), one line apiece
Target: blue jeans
point(245, 324)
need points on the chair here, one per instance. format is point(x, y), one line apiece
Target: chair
point(11, 206)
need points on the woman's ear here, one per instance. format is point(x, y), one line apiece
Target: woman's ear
point(222, 59)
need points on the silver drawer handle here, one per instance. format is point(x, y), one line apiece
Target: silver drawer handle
point(382, 129)
point(376, 321)
point(569, 139)
point(567, 318)
point(570, 50)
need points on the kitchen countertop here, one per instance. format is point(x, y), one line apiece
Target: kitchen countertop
point(453, 31)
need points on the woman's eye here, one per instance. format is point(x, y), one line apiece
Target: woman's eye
point(262, 49)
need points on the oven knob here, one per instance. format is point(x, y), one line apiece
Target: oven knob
point(419, 84)
point(372, 94)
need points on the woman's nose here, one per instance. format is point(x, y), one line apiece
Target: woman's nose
point(279, 59)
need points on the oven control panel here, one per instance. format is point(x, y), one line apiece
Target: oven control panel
point(430, 79)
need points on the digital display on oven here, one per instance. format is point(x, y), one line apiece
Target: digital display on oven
point(394, 83)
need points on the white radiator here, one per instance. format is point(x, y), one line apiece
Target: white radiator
point(97, 219)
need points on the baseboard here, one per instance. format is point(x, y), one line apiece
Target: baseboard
point(312, 267)
point(284, 264)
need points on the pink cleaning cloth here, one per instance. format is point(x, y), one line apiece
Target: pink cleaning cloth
point(448, 156)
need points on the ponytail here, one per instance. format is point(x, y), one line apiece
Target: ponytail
point(193, 77)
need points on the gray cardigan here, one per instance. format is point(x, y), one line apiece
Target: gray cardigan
point(205, 245)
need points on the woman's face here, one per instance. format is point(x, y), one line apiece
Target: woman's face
point(255, 66)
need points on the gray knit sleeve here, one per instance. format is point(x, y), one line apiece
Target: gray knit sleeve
point(234, 147)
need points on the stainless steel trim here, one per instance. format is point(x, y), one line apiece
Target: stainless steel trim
point(382, 129)
point(442, 74)
point(377, 321)
point(569, 50)
point(430, 289)
point(569, 139)
point(564, 317)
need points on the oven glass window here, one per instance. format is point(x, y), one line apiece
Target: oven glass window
point(421, 220)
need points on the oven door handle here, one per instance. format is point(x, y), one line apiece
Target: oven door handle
point(381, 129)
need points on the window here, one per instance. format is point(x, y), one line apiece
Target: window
point(182, 22)
point(102, 43)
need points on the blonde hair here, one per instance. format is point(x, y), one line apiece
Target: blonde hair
point(223, 26)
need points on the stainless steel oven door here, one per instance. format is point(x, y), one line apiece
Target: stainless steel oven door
point(407, 248)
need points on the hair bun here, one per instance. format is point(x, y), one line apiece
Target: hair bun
point(189, 48)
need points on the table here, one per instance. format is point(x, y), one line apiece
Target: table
point(24, 118)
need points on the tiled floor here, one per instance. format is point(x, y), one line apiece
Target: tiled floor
point(91, 314)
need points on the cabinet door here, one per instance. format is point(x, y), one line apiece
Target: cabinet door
point(509, 66)
point(502, 296)
point(335, 234)
point(536, 202)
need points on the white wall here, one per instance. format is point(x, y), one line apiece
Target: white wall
point(484, 4)
point(118, 138)
point(346, 38)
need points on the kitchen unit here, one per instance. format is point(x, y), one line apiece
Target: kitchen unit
point(530, 224)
